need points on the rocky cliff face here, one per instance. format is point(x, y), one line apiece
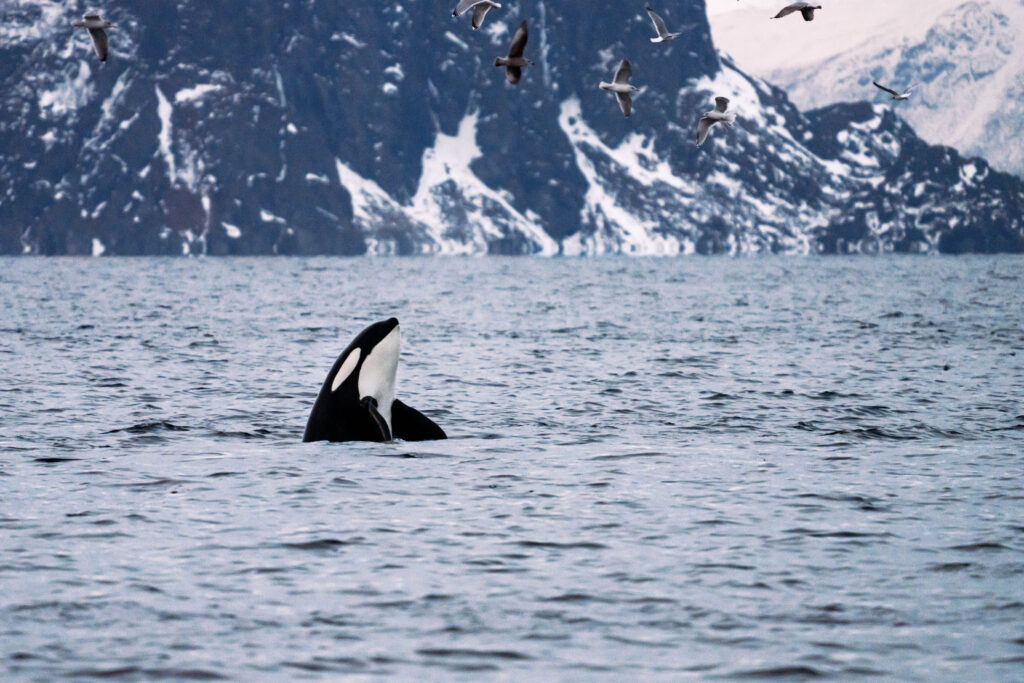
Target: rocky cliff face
point(310, 127)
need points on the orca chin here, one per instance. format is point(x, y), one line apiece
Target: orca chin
point(357, 400)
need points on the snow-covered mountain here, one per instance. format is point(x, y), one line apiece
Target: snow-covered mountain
point(302, 126)
point(966, 59)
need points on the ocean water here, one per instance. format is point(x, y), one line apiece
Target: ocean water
point(658, 469)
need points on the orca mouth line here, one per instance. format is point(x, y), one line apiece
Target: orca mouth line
point(370, 403)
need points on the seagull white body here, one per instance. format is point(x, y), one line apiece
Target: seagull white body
point(659, 26)
point(898, 96)
point(806, 9)
point(479, 7)
point(95, 26)
point(621, 87)
point(717, 115)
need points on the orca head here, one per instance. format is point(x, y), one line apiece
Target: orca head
point(365, 372)
point(380, 366)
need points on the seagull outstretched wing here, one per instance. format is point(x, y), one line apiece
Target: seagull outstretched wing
point(519, 41)
point(625, 103)
point(624, 73)
point(659, 24)
point(888, 90)
point(463, 6)
point(99, 42)
point(703, 126)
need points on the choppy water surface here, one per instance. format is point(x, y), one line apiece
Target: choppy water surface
point(659, 469)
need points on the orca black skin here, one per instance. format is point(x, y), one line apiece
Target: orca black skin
point(357, 401)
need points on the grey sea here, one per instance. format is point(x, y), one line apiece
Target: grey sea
point(658, 469)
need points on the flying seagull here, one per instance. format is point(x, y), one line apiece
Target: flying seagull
point(659, 26)
point(95, 25)
point(804, 8)
point(717, 115)
point(480, 8)
point(898, 96)
point(515, 61)
point(621, 87)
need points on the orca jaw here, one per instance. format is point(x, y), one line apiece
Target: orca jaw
point(370, 404)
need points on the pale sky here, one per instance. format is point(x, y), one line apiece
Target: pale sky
point(742, 28)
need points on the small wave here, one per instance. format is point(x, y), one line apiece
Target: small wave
point(976, 547)
point(109, 383)
point(640, 642)
point(690, 361)
point(135, 672)
point(321, 544)
point(862, 502)
point(390, 604)
point(329, 664)
point(872, 434)
point(717, 521)
point(150, 428)
point(264, 570)
point(814, 533)
point(254, 434)
point(779, 672)
point(950, 567)
point(466, 652)
point(152, 483)
point(414, 455)
point(718, 396)
point(627, 456)
point(875, 410)
point(725, 565)
point(584, 545)
point(829, 395)
point(574, 598)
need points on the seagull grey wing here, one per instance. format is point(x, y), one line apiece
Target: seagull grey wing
point(92, 17)
point(519, 41)
point(513, 73)
point(479, 12)
point(659, 24)
point(882, 87)
point(703, 126)
point(464, 5)
point(808, 13)
point(721, 103)
point(99, 41)
point(786, 11)
point(625, 103)
point(624, 73)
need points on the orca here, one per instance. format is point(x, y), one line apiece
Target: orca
point(357, 401)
